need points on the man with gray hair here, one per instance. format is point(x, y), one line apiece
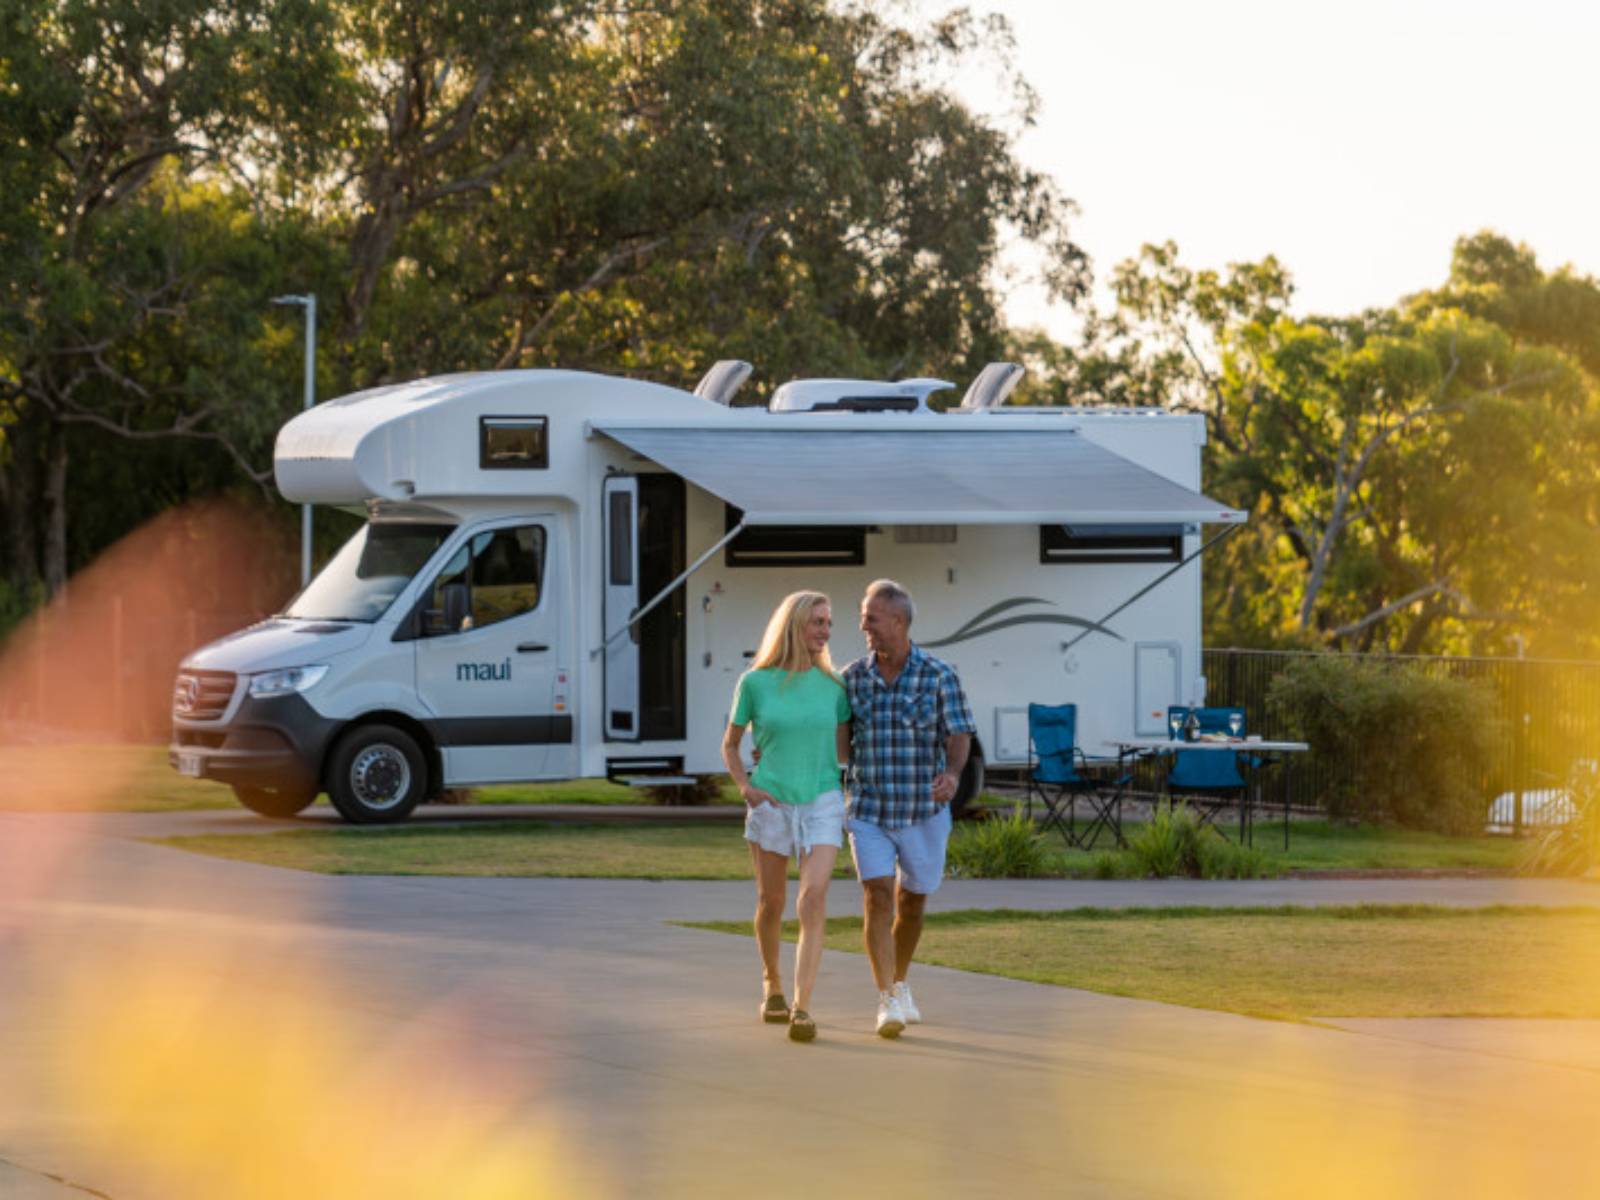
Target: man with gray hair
point(910, 733)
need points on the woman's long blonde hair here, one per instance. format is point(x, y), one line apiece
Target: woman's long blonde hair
point(783, 645)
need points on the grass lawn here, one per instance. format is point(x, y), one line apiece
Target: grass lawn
point(101, 778)
point(717, 851)
point(1324, 846)
point(1286, 963)
point(655, 851)
point(124, 778)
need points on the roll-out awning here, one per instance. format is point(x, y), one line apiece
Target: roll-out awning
point(792, 475)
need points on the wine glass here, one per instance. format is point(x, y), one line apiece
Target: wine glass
point(1236, 724)
point(1175, 721)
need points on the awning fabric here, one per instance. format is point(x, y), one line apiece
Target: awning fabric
point(972, 476)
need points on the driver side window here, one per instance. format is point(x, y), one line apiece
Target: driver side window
point(495, 576)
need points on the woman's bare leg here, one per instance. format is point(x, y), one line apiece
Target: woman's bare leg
point(772, 883)
point(816, 870)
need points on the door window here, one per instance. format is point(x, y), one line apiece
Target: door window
point(496, 576)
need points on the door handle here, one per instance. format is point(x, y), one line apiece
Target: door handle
point(532, 648)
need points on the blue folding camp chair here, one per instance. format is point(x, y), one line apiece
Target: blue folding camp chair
point(1210, 780)
point(1058, 775)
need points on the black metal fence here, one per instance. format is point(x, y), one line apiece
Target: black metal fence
point(1550, 709)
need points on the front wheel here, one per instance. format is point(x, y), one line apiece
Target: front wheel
point(277, 802)
point(376, 775)
point(971, 786)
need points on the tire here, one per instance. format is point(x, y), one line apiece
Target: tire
point(276, 802)
point(971, 786)
point(376, 775)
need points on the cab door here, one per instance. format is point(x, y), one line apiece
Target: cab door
point(620, 504)
point(490, 659)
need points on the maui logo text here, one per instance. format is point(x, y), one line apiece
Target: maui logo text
point(482, 672)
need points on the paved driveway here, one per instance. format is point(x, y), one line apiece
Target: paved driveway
point(176, 1026)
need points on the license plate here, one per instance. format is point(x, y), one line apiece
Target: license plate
point(189, 764)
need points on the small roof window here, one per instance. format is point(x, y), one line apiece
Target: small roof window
point(513, 443)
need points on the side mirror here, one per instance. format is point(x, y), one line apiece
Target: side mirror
point(457, 607)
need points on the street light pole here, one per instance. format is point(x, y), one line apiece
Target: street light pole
point(309, 303)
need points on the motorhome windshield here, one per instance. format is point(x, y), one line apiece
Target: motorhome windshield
point(370, 570)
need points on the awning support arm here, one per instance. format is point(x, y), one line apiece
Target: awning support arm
point(1152, 585)
point(639, 613)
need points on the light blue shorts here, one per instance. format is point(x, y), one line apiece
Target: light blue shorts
point(916, 850)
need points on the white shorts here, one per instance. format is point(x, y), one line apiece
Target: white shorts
point(792, 829)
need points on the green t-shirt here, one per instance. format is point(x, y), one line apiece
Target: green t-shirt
point(795, 716)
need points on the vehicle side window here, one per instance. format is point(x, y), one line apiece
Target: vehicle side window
point(496, 576)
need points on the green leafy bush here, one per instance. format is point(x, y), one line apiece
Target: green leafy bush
point(1168, 844)
point(1396, 744)
point(1175, 843)
point(1222, 859)
point(1000, 848)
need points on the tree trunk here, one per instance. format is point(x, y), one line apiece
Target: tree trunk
point(55, 498)
point(19, 500)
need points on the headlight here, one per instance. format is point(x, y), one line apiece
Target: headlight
point(290, 679)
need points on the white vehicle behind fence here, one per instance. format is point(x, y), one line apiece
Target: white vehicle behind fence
point(563, 574)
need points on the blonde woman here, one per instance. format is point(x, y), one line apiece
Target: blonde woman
point(796, 701)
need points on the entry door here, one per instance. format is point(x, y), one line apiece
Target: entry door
point(621, 507)
point(491, 650)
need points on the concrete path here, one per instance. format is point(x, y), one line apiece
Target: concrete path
point(174, 1026)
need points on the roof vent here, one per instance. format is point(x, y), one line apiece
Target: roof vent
point(990, 389)
point(723, 379)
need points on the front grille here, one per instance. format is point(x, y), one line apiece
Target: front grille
point(202, 695)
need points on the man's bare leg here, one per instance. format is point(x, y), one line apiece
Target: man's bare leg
point(877, 928)
point(908, 908)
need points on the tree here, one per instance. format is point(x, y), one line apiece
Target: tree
point(109, 107)
point(493, 184)
point(1421, 478)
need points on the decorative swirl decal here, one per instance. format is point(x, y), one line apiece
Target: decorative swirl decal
point(993, 611)
point(976, 627)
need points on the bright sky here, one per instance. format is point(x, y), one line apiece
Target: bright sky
point(1356, 141)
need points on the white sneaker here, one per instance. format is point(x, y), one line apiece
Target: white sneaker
point(908, 1006)
point(890, 1019)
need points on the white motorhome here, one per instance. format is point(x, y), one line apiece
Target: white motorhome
point(563, 574)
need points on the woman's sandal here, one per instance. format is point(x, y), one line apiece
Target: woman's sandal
point(775, 1009)
point(801, 1027)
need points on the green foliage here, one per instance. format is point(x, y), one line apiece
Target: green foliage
point(1572, 848)
point(1174, 843)
point(507, 183)
point(1000, 848)
point(1168, 844)
point(1411, 748)
point(1421, 478)
point(1222, 859)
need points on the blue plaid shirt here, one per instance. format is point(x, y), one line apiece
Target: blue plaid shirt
point(897, 737)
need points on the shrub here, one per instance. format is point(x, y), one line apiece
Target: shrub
point(1000, 848)
point(1395, 743)
point(1222, 859)
point(1174, 842)
point(1168, 844)
point(1572, 848)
